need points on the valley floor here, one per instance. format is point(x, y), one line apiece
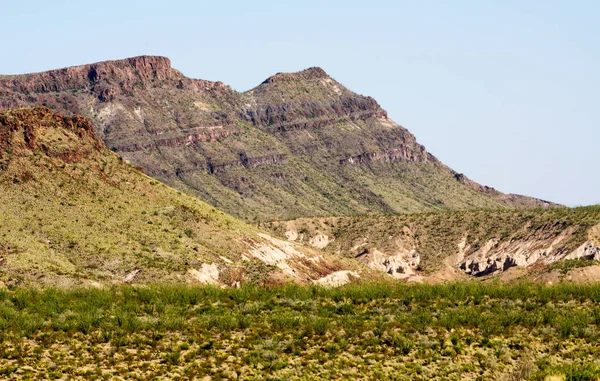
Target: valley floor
point(467, 331)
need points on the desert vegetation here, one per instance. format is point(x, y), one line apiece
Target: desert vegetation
point(359, 331)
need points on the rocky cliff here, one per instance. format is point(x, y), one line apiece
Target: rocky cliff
point(298, 144)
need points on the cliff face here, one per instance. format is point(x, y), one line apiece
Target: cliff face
point(298, 144)
point(105, 80)
point(128, 72)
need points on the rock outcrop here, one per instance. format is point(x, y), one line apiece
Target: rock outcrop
point(588, 250)
point(337, 279)
point(125, 74)
point(26, 129)
point(401, 265)
point(393, 155)
point(288, 117)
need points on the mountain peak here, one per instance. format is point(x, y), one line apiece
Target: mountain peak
point(311, 73)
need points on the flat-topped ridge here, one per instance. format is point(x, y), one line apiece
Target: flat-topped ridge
point(306, 74)
point(126, 71)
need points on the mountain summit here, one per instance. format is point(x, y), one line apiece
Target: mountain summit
point(307, 74)
point(298, 144)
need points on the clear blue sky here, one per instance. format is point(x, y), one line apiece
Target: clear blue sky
point(507, 92)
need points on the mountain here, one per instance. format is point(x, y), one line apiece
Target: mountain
point(74, 213)
point(299, 144)
point(450, 245)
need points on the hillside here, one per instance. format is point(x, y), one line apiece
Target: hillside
point(532, 244)
point(299, 144)
point(74, 213)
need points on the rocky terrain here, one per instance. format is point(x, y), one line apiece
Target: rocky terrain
point(74, 213)
point(100, 263)
point(299, 144)
point(458, 245)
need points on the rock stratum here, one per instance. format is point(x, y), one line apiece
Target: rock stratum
point(299, 144)
point(74, 213)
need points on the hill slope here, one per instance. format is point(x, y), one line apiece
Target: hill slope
point(451, 245)
point(74, 212)
point(299, 144)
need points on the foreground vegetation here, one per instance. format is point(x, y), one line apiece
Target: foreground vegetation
point(384, 331)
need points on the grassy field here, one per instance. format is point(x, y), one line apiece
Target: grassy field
point(468, 331)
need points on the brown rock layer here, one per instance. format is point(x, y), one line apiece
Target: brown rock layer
point(106, 80)
point(248, 162)
point(29, 123)
point(401, 153)
point(179, 141)
point(286, 117)
point(128, 72)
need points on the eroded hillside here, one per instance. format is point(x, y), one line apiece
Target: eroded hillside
point(456, 245)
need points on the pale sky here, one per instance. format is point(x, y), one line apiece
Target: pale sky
point(507, 92)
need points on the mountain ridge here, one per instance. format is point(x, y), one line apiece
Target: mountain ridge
point(298, 144)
